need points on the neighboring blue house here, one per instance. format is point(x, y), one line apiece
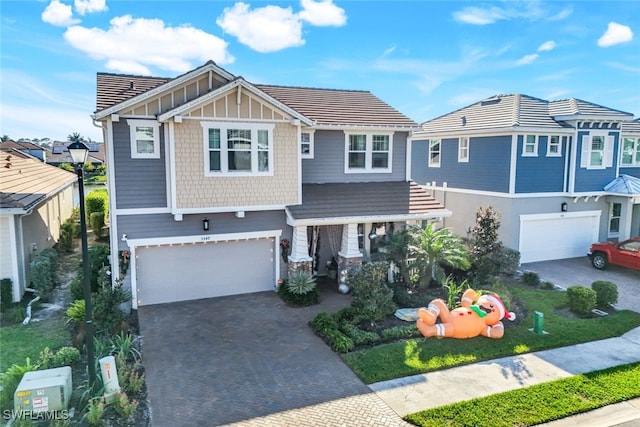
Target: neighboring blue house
point(215, 182)
point(562, 174)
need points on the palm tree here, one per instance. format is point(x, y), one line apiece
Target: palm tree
point(76, 137)
point(434, 248)
point(4, 138)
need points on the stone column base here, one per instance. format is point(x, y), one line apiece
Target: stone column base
point(299, 265)
point(346, 264)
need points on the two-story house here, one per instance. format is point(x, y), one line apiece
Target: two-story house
point(562, 174)
point(219, 186)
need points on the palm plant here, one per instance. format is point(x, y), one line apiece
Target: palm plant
point(434, 248)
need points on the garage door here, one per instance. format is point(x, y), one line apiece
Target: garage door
point(169, 273)
point(557, 236)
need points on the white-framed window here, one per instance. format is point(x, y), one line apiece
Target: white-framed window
point(434, 153)
point(554, 146)
point(238, 149)
point(597, 151)
point(368, 152)
point(306, 144)
point(463, 149)
point(615, 210)
point(145, 139)
point(530, 145)
point(630, 151)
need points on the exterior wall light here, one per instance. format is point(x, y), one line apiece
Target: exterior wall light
point(205, 224)
point(563, 206)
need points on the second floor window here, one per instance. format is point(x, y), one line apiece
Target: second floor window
point(238, 149)
point(463, 149)
point(306, 145)
point(145, 139)
point(553, 146)
point(434, 153)
point(630, 151)
point(597, 151)
point(368, 152)
point(530, 145)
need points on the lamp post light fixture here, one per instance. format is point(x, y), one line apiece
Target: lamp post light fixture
point(79, 152)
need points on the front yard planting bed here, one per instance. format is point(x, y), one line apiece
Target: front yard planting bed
point(539, 403)
point(415, 356)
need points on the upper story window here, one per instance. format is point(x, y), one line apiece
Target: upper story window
point(238, 149)
point(306, 144)
point(630, 151)
point(463, 149)
point(530, 145)
point(554, 147)
point(434, 153)
point(368, 152)
point(597, 151)
point(144, 138)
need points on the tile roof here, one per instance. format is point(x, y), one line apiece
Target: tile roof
point(632, 127)
point(112, 89)
point(624, 184)
point(366, 199)
point(20, 145)
point(25, 181)
point(339, 107)
point(325, 106)
point(510, 112)
point(60, 154)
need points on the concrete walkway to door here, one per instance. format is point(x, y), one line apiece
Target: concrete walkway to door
point(250, 360)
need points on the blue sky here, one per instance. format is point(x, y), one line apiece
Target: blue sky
point(425, 58)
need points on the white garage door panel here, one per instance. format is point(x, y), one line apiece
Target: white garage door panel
point(194, 271)
point(545, 237)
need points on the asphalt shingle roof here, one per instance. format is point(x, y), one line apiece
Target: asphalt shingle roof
point(364, 199)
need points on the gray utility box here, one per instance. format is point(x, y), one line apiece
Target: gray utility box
point(41, 391)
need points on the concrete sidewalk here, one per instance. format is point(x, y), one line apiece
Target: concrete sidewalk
point(412, 394)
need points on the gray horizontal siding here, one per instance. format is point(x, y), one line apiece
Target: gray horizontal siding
point(327, 166)
point(163, 225)
point(140, 183)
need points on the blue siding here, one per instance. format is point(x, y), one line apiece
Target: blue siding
point(630, 171)
point(140, 183)
point(539, 174)
point(327, 164)
point(595, 179)
point(487, 169)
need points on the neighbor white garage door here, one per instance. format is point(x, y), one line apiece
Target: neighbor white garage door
point(169, 273)
point(556, 236)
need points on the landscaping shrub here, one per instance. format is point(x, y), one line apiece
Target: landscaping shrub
point(531, 278)
point(371, 294)
point(454, 291)
point(43, 273)
point(398, 332)
point(326, 326)
point(359, 336)
point(606, 293)
point(547, 285)
point(508, 260)
point(67, 233)
point(10, 381)
point(96, 201)
point(52, 255)
point(97, 223)
point(300, 290)
point(6, 294)
point(107, 317)
point(581, 299)
point(485, 248)
point(98, 258)
point(66, 356)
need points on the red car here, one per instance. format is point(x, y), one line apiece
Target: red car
point(624, 254)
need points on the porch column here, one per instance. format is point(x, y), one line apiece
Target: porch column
point(299, 258)
point(349, 254)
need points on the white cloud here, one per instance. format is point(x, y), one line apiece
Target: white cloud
point(58, 14)
point(389, 50)
point(527, 59)
point(90, 6)
point(563, 14)
point(132, 45)
point(530, 10)
point(322, 14)
point(548, 45)
point(265, 29)
point(478, 16)
point(615, 34)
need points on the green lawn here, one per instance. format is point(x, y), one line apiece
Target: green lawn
point(539, 403)
point(17, 342)
point(403, 358)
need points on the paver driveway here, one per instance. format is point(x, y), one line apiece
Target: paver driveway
point(250, 360)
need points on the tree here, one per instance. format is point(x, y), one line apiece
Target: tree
point(76, 137)
point(5, 138)
point(485, 251)
point(396, 248)
point(434, 248)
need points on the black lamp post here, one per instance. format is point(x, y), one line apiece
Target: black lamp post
point(79, 152)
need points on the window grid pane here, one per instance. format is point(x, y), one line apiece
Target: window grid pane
point(214, 139)
point(357, 160)
point(380, 143)
point(357, 142)
point(380, 160)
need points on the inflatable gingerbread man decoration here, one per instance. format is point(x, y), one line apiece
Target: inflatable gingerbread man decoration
point(478, 315)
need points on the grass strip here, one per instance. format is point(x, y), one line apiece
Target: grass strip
point(411, 357)
point(539, 403)
point(17, 342)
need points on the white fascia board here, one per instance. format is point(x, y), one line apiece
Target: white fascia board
point(491, 132)
point(366, 219)
point(516, 195)
point(227, 209)
point(613, 117)
point(162, 88)
point(142, 211)
point(195, 103)
point(555, 215)
point(198, 238)
point(13, 211)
